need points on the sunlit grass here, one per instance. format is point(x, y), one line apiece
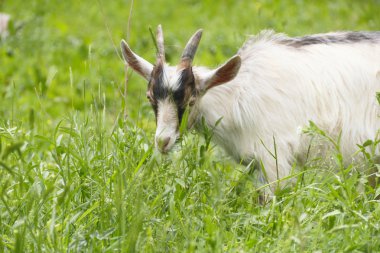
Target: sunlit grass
point(84, 188)
point(75, 175)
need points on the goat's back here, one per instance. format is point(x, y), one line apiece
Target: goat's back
point(283, 83)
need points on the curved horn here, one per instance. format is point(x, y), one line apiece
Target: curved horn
point(160, 44)
point(191, 49)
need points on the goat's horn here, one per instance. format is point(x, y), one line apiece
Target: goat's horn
point(160, 44)
point(139, 64)
point(191, 49)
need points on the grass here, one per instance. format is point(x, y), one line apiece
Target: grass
point(75, 175)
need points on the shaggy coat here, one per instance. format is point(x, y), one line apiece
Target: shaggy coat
point(267, 93)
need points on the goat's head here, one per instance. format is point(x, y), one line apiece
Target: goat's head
point(172, 89)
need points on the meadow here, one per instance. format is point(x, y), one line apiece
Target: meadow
point(78, 169)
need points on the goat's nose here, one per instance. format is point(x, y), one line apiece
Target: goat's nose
point(162, 142)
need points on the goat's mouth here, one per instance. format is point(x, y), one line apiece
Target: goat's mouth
point(164, 150)
point(165, 144)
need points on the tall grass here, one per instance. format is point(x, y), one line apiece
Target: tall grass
point(87, 189)
point(75, 175)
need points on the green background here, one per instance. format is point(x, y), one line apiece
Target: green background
point(78, 171)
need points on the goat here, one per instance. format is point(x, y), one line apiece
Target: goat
point(267, 92)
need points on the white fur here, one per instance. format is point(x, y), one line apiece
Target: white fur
point(167, 125)
point(280, 88)
point(172, 76)
point(167, 121)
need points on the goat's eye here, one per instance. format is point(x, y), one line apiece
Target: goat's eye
point(151, 100)
point(149, 95)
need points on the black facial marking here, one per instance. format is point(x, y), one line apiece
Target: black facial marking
point(180, 96)
point(341, 38)
point(155, 109)
point(185, 88)
point(160, 91)
point(156, 89)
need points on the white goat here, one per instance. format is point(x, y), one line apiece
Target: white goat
point(269, 91)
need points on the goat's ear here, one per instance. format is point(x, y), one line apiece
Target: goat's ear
point(223, 74)
point(141, 66)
